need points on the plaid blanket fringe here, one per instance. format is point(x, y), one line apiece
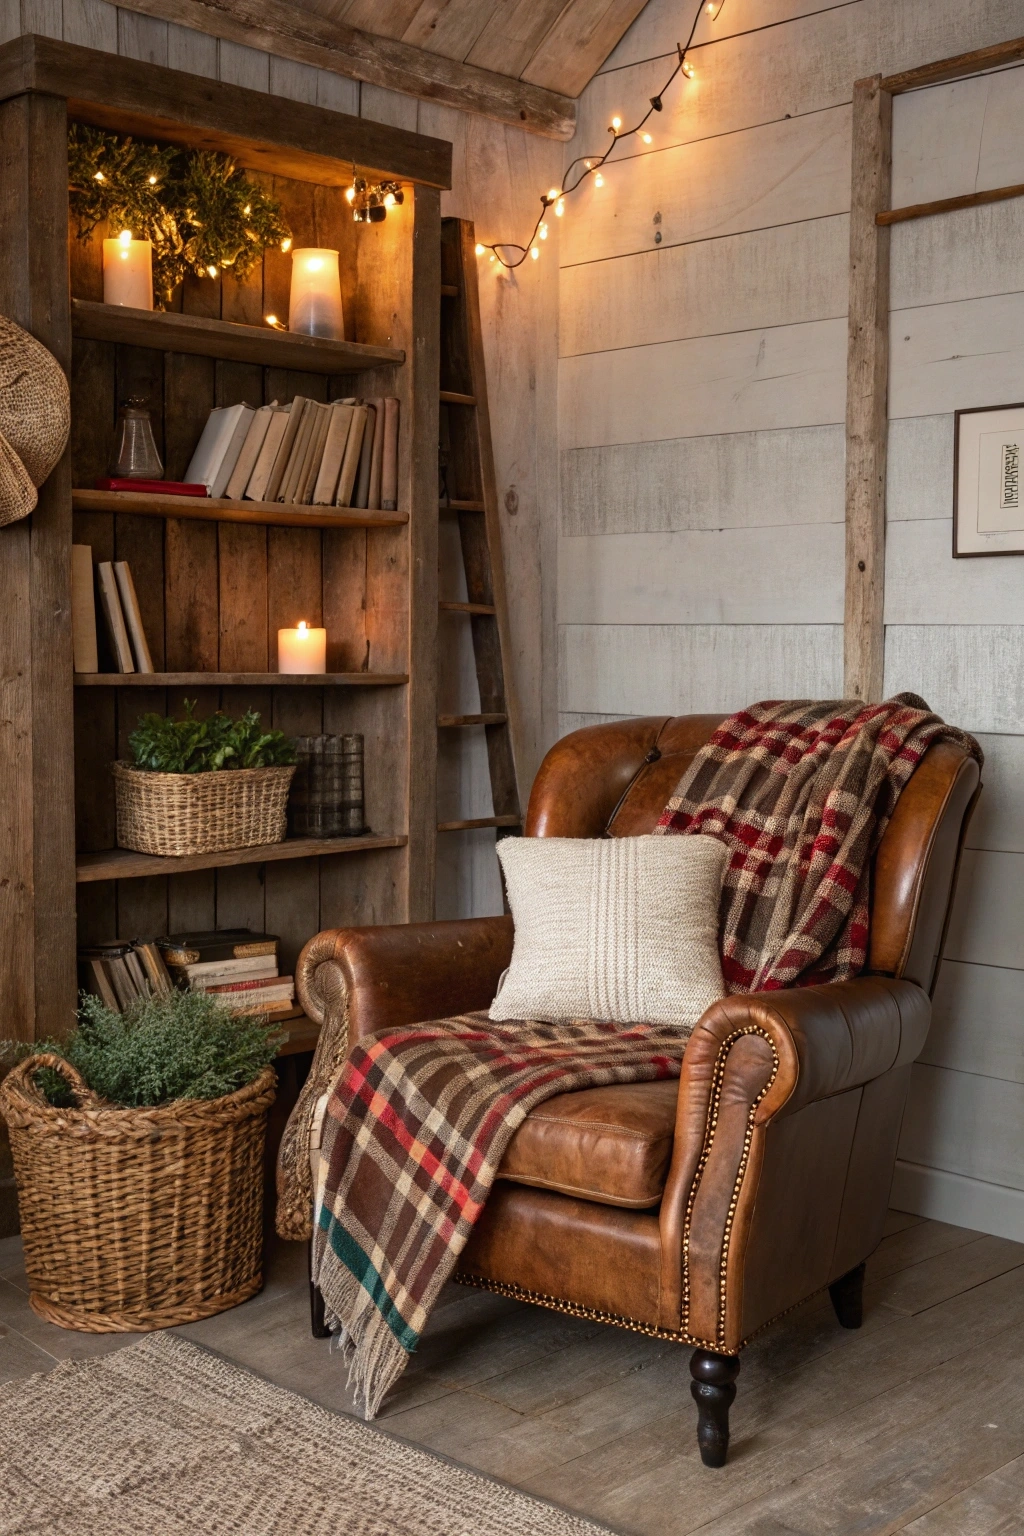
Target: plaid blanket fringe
point(419, 1119)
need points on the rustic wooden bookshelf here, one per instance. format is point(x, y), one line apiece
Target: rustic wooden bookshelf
point(216, 579)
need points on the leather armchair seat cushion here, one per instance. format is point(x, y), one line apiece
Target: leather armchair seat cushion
point(612, 1145)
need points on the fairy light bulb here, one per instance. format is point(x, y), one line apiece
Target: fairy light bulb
point(286, 244)
point(99, 176)
point(389, 199)
point(711, 7)
point(274, 322)
point(553, 195)
point(534, 252)
point(646, 138)
point(688, 70)
point(599, 180)
point(350, 194)
point(616, 124)
point(480, 248)
point(212, 271)
point(152, 182)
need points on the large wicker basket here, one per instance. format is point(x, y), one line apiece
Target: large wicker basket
point(180, 813)
point(134, 1219)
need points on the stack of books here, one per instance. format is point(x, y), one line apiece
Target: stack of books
point(342, 454)
point(122, 971)
point(121, 611)
point(235, 965)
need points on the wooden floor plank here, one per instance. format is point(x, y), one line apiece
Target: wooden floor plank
point(944, 1275)
point(895, 1221)
point(993, 1506)
point(912, 1245)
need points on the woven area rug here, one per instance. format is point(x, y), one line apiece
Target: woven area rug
point(163, 1438)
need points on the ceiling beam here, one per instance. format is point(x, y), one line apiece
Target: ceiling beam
point(293, 33)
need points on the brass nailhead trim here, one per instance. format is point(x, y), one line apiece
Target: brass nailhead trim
point(709, 1135)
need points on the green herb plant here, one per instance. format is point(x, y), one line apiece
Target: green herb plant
point(187, 1045)
point(162, 745)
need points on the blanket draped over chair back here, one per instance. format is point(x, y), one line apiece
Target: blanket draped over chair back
point(419, 1118)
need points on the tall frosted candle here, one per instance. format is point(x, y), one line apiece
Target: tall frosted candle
point(302, 649)
point(315, 305)
point(128, 272)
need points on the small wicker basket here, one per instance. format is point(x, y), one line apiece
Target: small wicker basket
point(180, 813)
point(134, 1219)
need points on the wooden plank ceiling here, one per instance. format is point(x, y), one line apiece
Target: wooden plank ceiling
point(557, 44)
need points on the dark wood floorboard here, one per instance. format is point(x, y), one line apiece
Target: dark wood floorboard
point(913, 1423)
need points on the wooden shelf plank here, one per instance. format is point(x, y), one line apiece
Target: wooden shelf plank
point(240, 679)
point(301, 1032)
point(461, 506)
point(452, 397)
point(446, 721)
point(479, 821)
point(123, 864)
point(484, 608)
point(220, 510)
point(170, 332)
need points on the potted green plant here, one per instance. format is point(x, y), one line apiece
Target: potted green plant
point(203, 785)
point(138, 1152)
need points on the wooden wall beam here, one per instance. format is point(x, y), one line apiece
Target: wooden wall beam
point(295, 33)
point(37, 815)
point(867, 375)
point(955, 68)
point(305, 143)
point(950, 204)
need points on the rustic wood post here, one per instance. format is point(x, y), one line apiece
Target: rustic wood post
point(867, 377)
point(37, 804)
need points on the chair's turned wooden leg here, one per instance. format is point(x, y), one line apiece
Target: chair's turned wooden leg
point(319, 1327)
point(847, 1295)
point(714, 1388)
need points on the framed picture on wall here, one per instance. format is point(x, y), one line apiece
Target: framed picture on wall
point(988, 493)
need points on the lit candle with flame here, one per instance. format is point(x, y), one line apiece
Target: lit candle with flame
point(128, 272)
point(315, 305)
point(302, 650)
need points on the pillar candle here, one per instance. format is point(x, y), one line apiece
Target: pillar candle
point(128, 272)
point(315, 305)
point(302, 649)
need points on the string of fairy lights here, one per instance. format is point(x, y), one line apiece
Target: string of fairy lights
point(593, 165)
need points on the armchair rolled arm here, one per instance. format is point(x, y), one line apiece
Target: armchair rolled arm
point(354, 980)
point(752, 1061)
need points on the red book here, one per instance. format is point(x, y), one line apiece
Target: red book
point(153, 487)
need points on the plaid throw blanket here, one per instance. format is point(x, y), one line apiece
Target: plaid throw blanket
point(801, 793)
point(419, 1118)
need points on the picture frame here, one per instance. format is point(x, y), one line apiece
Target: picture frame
point(988, 491)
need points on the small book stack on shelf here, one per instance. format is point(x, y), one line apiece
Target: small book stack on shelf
point(235, 965)
point(121, 613)
point(122, 971)
point(342, 454)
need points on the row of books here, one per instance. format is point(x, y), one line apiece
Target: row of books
point(238, 967)
point(121, 613)
point(122, 971)
point(342, 454)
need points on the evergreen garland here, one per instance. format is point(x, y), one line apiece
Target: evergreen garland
point(201, 212)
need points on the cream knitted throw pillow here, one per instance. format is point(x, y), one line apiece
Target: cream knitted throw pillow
point(623, 929)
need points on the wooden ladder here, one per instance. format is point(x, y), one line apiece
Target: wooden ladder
point(467, 488)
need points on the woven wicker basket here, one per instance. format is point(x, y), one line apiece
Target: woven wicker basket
point(134, 1219)
point(179, 813)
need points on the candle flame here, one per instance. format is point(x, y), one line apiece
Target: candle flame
point(125, 237)
point(303, 626)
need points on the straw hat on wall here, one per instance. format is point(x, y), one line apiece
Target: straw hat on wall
point(35, 418)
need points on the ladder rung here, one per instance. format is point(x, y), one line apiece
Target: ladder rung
point(449, 720)
point(467, 608)
point(460, 506)
point(480, 821)
point(449, 290)
point(452, 397)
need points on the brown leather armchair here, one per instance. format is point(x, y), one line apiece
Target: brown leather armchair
point(697, 1211)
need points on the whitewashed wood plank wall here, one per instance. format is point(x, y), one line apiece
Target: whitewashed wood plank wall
point(703, 306)
point(498, 173)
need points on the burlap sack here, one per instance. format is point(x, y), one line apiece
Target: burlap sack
point(35, 418)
